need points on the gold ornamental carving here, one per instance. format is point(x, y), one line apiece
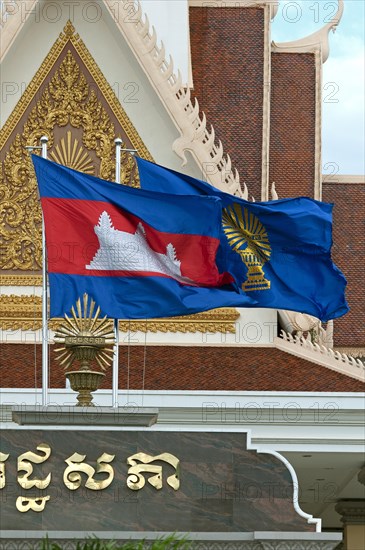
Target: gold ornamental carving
point(20, 280)
point(25, 312)
point(80, 135)
point(20, 312)
point(69, 153)
point(222, 320)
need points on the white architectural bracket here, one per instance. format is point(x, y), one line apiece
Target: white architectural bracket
point(317, 41)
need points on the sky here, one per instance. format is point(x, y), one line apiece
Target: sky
point(343, 73)
point(343, 77)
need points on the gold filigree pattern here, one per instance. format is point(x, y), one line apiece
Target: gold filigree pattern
point(216, 321)
point(67, 102)
point(20, 215)
point(20, 312)
point(20, 280)
point(25, 312)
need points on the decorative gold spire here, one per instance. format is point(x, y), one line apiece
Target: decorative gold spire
point(85, 337)
point(69, 30)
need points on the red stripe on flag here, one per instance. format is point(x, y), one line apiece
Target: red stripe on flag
point(72, 243)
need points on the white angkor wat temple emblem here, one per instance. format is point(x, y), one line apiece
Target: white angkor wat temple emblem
point(121, 251)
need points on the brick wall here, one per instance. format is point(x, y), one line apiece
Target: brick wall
point(188, 368)
point(227, 48)
point(292, 130)
point(349, 254)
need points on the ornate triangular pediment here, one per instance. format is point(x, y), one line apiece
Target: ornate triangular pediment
point(70, 102)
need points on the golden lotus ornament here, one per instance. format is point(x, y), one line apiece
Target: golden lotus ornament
point(85, 338)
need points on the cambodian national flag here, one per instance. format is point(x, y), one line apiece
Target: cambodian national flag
point(279, 252)
point(137, 253)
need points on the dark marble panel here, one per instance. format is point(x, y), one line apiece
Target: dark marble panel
point(223, 486)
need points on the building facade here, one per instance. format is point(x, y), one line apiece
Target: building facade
point(84, 74)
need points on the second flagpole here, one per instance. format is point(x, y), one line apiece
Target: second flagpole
point(115, 377)
point(45, 359)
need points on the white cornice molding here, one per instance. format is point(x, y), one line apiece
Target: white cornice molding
point(286, 421)
point(343, 179)
point(274, 4)
point(317, 190)
point(13, 17)
point(317, 41)
point(321, 355)
point(185, 113)
point(265, 158)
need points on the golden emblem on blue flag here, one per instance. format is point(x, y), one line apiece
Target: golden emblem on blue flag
point(258, 239)
point(248, 237)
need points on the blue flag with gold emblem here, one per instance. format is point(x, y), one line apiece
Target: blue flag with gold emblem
point(279, 252)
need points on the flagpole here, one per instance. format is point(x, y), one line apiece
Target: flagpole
point(44, 142)
point(118, 150)
point(115, 379)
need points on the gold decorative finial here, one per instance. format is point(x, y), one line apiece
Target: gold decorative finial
point(69, 30)
point(85, 337)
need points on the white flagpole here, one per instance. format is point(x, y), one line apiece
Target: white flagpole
point(45, 402)
point(115, 381)
point(118, 149)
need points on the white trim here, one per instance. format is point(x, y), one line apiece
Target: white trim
point(306, 397)
point(317, 191)
point(317, 41)
point(265, 159)
point(297, 508)
point(343, 178)
point(358, 351)
point(282, 420)
point(273, 4)
point(321, 355)
point(13, 23)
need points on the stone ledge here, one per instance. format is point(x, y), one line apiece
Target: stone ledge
point(268, 540)
point(27, 415)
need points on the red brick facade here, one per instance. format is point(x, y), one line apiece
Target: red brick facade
point(349, 255)
point(292, 124)
point(188, 368)
point(227, 48)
